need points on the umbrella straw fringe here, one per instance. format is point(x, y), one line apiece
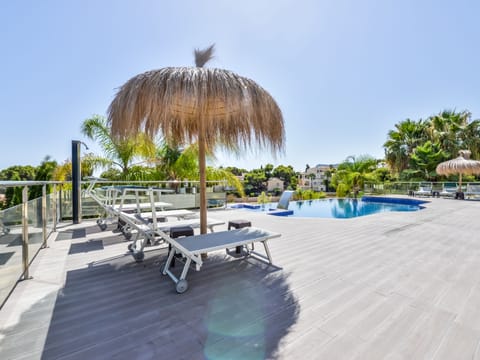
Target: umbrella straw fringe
point(236, 112)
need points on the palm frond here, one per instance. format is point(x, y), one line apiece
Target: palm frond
point(203, 56)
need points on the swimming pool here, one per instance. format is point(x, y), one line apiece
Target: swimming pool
point(340, 208)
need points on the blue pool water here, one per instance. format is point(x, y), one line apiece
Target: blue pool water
point(341, 208)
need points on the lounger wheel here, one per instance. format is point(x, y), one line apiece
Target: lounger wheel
point(182, 286)
point(131, 247)
point(103, 227)
point(99, 221)
point(6, 230)
point(128, 235)
point(139, 256)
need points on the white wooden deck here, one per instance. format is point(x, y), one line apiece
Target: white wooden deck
point(387, 286)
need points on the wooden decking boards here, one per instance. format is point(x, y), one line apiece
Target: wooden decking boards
point(392, 285)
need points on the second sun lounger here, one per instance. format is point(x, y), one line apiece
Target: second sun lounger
point(147, 233)
point(191, 247)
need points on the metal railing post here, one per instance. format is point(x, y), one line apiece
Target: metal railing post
point(25, 232)
point(76, 182)
point(44, 215)
point(60, 203)
point(54, 206)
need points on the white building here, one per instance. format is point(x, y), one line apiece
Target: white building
point(274, 184)
point(314, 178)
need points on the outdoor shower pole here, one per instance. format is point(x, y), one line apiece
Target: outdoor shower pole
point(76, 182)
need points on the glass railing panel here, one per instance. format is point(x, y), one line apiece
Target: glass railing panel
point(65, 204)
point(35, 227)
point(50, 213)
point(90, 208)
point(11, 267)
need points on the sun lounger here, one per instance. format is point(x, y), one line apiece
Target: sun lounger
point(153, 217)
point(424, 190)
point(449, 190)
point(177, 213)
point(138, 207)
point(152, 233)
point(473, 190)
point(114, 203)
point(192, 247)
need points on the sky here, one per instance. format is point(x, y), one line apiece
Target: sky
point(343, 72)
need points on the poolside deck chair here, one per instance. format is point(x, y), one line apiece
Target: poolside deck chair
point(425, 189)
point(136, 194)
point(473, 191)
point(114, 203)
point(449, 190)
point(151, 218)
point(191, 248)
point(147, 233)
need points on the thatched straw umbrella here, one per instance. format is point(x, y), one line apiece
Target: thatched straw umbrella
point(207, 105)
point(461, 165)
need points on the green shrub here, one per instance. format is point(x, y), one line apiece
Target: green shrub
point(342, 190)
point(263, 198)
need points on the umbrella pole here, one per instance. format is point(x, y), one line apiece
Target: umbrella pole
point(203, 179)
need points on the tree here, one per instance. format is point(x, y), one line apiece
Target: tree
point(236, 171)
point(447, 128)
point(165, 158)
point(425, 159)
point(63, 172)
point(18, 172)
point(255, 181)
point(402, 141)
point(118, 152)
point(450, 130)
point(352, 174)
point(180, 164)
point(287, 175)
point(470, 138)
point(217, 174)
point(44, 172)
point(268, 170)
point(13, 195)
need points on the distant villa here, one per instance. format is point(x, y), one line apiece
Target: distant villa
point(316, 178)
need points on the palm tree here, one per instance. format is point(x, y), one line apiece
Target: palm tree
point(402, 142)
point(425, 159)
point(471, 138)
point(118, 152)
point(352, 174)
point(165, 159)
point(448, 129)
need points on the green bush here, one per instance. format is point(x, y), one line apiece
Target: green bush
point(342, 190)
point(309, 195)
point(263, 198)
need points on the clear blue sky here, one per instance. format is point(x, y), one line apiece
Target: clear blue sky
point(344, 72)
